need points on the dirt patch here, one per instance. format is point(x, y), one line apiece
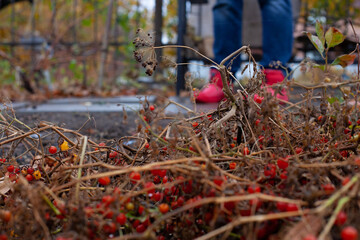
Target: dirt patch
point(97, 126)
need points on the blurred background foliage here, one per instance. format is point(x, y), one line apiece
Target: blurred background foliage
point(72, 37)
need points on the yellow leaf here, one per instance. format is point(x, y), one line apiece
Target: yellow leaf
point(64, 146)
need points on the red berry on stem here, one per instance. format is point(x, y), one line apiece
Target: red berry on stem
point(258, 99)
point(152, 107)
point(29, 177)
point(291, 207)
point(30, 170)
point(283, 163)
point(298, 150)
point(10, 168)
point(113, 154)
point(164, 208)
point(135, 176)
point(345, 181)
point(349, 233)
point(121, 218)
point(254, 189)
point(141, 228)
point(329, 188)
point(104, 181)
point(150, 185)
point(52, 150)
point(309, 237)
point(341, 218)
point(232, 165)
point(281, 206)
point(246, 151)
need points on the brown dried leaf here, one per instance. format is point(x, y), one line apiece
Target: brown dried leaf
point(308, 225)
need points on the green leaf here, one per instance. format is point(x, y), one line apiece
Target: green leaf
point(322, 67)
point(320, 32)
point(332, 100)
point(333, 37)
point(344, 60)
point(316, 42)
point(86, 22)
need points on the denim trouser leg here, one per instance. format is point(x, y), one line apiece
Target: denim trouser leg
point(277, 30)
point(227, 29)
point(277, 25)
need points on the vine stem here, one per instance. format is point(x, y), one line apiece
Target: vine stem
point(190, 48)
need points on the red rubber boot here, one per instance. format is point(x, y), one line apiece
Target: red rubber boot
point(274, 76)
point(212, 92)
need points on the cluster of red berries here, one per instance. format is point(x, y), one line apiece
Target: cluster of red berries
point(29, 173)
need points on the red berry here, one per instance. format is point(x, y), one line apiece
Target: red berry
point(195, 124)
point(344, 153)
point(135, 176)
point(309, 237)
point(11, 168)
point(246, 151)
point(298, 150)
point(218, 180)
point(346, 131)
point(164, 208)
point(291, 207)
point(283, 163)
point(232, 165)
point(349, 233)
point(113, 154)
point(150, 185)
point(6, 215)
point(281, 206)
point(107, 200)
point(258, 99)
point(121, 219)
point(283, 175)
point(4, 237)
point(329, 188)
point(30, 170)
point(345, 181)
point(152, 107)
point(232, 145)
point(141, 228)
point(104, 181)
point(29, 177)
point(147, 145)
point(109, 228)
point(270, 170)
point(341, 218)
point(257, 122)
point(254, 189)
point(52, 150)
point(157, 196)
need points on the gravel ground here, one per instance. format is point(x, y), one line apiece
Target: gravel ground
point(97, 126)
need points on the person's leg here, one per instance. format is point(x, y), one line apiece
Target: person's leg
point(277, 31)
point(277, 40)
point(227, 15)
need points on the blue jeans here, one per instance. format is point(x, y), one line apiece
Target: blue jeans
point(277, 25)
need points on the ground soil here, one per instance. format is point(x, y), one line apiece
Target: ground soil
point(97, 126)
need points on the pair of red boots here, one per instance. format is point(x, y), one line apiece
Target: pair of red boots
point(213, 92)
